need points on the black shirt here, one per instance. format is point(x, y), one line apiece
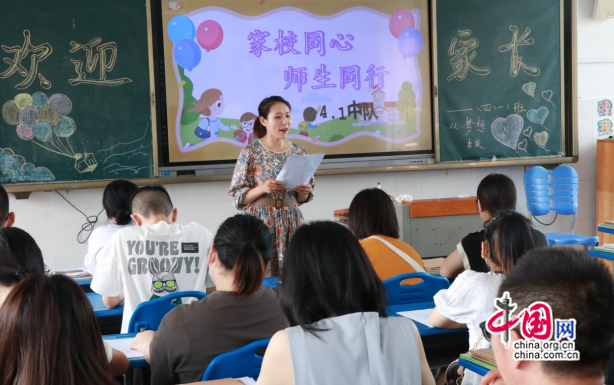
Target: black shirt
point(472, 245)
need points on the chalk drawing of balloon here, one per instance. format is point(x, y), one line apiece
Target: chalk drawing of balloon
point(65, 127)
point(48, 114)
point(42, 131)
point(410, 43)
point(209, 35)
point(61, 102)
point(23, 100)
point(28, 116)
point(39, 99)
point(24, 132)
point(179, 28)
point(187, 54)
point(43, 121)
point(400, 21)
point(10, 113)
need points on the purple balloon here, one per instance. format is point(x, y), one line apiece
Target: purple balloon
point(410, 42)
point(187, 54)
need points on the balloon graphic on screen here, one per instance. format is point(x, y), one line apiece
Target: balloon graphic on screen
point(400, 21)
point(187, 54)
point(410, 43)
point(179, 28)
point(209, 35)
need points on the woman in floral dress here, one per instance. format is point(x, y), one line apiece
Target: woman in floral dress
point(253, 188)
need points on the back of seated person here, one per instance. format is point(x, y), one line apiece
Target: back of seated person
point(20, 256)
point(49, 335)
point(152, 259)
point(336, 305)
point(373, 221)
point(7, 217)
point(468, 301)
point(574, 285)
point(496, 193)
point(238, 313)
point(116, 204)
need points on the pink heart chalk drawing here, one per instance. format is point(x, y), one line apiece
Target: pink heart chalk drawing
point(528, 132)
point(507, 131)
point(541, 139)
point(523, 145)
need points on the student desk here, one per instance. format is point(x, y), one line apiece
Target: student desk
point(601, 254)
point(433, 227)
point(100, 309)
point(441, 346)
point(83, 281)
point(134, 362)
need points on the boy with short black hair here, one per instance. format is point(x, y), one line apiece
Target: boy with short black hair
point(7, 218)
point(576, 286)
point(154, 258)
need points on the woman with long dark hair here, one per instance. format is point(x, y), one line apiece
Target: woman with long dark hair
point(239, 312)
point(336, 306)
point(253, 188)
point(49, 335)
point(373, 220)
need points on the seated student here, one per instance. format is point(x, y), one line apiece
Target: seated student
point(21, 256)
point(575, 285)
point(496, 192)
point(373, 221)
point(240, 312)
point(152, 259)
point(469, 300)
point(337, 306)
point(49, 335)
point(116, 204)
point(7, 218)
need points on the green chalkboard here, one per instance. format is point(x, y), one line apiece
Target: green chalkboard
point(499, 79)
point(74, 91)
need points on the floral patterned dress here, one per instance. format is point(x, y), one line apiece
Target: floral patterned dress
point(257, 164)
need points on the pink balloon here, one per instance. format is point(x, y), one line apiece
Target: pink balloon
point(25, 132)
point(400, 21)
point(209, 35)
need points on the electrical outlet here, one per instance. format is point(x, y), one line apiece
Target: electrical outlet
point(604, 9)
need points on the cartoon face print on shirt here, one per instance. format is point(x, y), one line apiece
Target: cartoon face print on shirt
point(163, 282)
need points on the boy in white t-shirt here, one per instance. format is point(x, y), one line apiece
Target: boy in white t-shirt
point(154, 258)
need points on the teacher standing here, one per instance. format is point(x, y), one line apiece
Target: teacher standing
point(253, 188)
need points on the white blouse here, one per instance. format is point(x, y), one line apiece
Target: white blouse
point(470, 301)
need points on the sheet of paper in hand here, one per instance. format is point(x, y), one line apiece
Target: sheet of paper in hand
point(299, 169)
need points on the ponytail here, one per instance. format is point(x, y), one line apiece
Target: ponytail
point(259, 129)
point(244, 247)
point(249, 270)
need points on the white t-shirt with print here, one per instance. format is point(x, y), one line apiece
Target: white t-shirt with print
point(134, 258)
point(96, 242)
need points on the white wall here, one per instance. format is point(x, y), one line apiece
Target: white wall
point(54, 224)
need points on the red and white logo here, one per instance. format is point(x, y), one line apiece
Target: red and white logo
point(175, 6)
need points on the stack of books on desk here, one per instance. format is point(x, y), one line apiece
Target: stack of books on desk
point(608, 224)
point(607, 248)
point(482, 357)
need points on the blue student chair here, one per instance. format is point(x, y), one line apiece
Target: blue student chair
point(422, 292)
point(149, 314)
point(243, 362)
point(555, 190)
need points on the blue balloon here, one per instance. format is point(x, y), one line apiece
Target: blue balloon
point(410, 42)
point(181, 27)
point(187, 54)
